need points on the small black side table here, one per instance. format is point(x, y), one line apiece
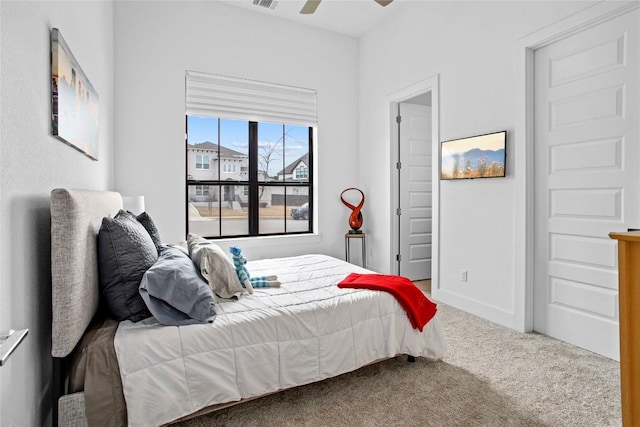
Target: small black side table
point(363, 241)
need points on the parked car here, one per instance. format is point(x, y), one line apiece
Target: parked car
point(300, 212)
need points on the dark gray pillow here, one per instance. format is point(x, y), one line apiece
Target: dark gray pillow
point(174, 291)
point(151, 228)
point(125, 252)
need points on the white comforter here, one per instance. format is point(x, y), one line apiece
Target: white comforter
point(305, 331)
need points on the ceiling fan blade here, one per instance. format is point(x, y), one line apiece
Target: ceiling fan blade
point(310, 6)
point(383, 2)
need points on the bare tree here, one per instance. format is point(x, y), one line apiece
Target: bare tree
point(267, 155)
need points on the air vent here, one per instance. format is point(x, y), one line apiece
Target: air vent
point(269, 4)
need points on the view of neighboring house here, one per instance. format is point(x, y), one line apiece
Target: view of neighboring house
point(202, 163)
point(298, 170)
point(207, 161)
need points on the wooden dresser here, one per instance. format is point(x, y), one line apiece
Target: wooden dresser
point(629, 301)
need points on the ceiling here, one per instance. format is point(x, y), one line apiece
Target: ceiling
point(349, 17)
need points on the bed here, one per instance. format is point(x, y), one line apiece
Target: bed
point(304, 331)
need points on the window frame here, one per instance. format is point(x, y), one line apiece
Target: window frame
point(252, 183)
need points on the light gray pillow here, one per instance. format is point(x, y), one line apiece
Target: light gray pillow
point(215, 266)
point(175, 293)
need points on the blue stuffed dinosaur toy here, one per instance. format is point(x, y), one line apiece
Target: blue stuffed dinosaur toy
point(247, 281)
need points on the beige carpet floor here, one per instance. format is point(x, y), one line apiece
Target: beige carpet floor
point(490, 376)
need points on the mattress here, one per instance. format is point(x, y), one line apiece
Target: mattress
point(305, 331)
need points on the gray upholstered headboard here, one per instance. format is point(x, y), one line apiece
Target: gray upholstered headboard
point(76, 216)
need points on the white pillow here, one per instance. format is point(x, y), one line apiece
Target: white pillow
point(215, 266)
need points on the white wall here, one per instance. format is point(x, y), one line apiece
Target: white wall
point(472, 46)
point(32, 163)
point(157, 41)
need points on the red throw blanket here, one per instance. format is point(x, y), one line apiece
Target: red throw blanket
point(418, 307)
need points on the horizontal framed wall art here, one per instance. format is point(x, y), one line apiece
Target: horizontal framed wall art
point(480, 156)
point(74, 101)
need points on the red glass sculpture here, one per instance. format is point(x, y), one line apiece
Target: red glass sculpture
point(355, 219)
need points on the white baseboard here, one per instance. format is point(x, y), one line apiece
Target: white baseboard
point(491, 313)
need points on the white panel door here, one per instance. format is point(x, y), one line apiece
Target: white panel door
point(415, 191)
point(587, 156)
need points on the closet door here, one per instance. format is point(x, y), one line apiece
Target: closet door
point(586, 179)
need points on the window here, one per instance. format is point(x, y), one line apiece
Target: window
point(202, 161)
point(302, 172)
point(264, 131)
point(269, 199)
point(202, 190)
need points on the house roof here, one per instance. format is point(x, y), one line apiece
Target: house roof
point(289, 169)
point(225, 152)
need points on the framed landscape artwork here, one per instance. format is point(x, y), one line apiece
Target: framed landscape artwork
point(74, 101)
point(481, 156)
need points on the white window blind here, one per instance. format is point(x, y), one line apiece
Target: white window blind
point(235, 98)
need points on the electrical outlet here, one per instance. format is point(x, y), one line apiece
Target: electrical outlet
point(463, 275)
